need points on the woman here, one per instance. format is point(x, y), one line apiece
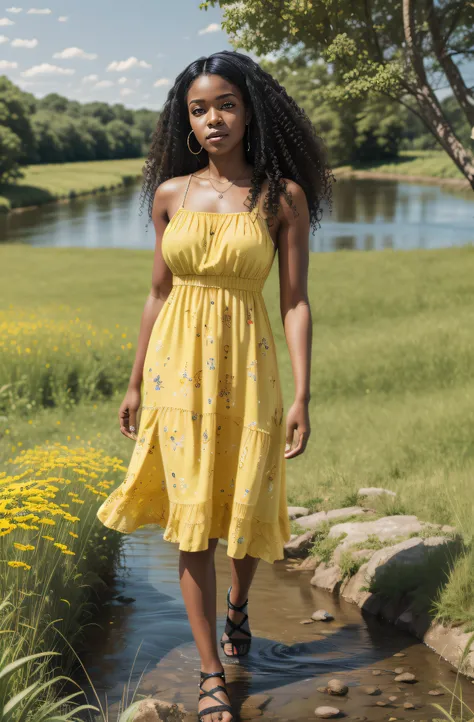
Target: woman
point(209, 458)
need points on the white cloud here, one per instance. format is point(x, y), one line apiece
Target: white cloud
point(126, 91)
point(146, 96)
point(161, 81)
point(122, 80)
point(4, 39)
point(75, 53)
point(39, 11)
point(46, 69)
point(14, 10)
point(18, 43)
point(6, 21)
point(7, 64)
point(90, 78)
point(212, 28)
point(104, 84)
point(63, 19)
point(123, 65)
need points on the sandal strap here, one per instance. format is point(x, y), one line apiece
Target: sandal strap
point(207, 675)
point(222, 706)
point(234, 607)
point(217, 708)
point(236, 627)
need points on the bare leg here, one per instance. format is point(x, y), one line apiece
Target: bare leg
point(243, 571)
point(197, 575)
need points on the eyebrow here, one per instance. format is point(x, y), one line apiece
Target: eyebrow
point(218, 97)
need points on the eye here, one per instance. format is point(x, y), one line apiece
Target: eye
point(228, 102)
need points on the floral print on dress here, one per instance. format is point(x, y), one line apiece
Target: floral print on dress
point(252, 373)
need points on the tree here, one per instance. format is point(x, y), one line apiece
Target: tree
point(400, 49)
point(16, 135)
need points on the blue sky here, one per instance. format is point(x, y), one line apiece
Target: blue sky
point(107, 50)
point(116, 51)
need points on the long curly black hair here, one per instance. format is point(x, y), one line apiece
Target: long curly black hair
point(283, 141)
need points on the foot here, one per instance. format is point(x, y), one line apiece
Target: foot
point(236, 617)
point(220, 697)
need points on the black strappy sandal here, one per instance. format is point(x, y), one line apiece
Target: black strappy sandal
point(221, 707)
point(242, 645)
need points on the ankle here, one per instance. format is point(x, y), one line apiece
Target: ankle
point(212, 665)
point(237, 598)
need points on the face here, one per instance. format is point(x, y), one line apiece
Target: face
point(216, 108)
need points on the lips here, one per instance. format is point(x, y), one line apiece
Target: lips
point(217, 134)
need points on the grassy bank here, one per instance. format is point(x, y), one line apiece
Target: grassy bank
point(52, 182)
point(392, 387)
point(432, 164)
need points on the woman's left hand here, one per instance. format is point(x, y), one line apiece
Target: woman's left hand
point(297, 419)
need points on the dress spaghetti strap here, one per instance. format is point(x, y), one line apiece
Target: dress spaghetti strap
point(186, 191)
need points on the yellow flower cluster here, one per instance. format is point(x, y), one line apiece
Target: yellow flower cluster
point(34, 497)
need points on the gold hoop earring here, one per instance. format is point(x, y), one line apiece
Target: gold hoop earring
point(192, 151)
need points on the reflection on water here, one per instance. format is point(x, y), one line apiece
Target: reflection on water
point(288, 661)
point(367, 214)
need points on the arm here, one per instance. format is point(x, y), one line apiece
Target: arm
point(161, 284)
point(293, 261)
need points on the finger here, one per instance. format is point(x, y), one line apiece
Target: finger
point(124, 420)
point(300, 446)
point(133, 424)
point(290, 433)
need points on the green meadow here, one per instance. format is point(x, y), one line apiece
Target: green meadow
point(392, 389)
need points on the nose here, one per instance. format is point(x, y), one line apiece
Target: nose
point(214, 117)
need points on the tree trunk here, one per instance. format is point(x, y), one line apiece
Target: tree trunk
point(428, 103)
point(461, 92)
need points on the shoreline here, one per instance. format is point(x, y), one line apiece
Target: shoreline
point(342, 173)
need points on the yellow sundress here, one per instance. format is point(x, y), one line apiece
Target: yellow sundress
point(209, 456)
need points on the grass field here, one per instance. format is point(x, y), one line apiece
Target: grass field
point(429, 163)
point(392, 385)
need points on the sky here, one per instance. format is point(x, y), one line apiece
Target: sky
point(116, 51)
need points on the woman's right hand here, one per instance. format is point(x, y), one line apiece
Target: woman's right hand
point(128, 413)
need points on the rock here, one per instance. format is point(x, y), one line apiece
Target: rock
point(382, 703)
point(327, 577)
point(155, 710)
point(322, 616)
point(435, 692)
point(450, 643)
point(399, 654)
point(295, 512)
point(307, 621)
point(385, 529)
point(314, 521)
point(408, 705)
point(392, 699)
point(375, 491)
point(336, 687)
point(299, 545)
point(405, 620)
point(308, 564)
point(371, 690)
point(355, 554)
point(406, 677)
point(399, 670)
point(327, 712)
point(322, 689)
point(376, 672)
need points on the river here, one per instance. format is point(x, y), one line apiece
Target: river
point(367, 214)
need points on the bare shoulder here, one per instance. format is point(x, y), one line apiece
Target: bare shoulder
point(169, 194)
point(298, 198)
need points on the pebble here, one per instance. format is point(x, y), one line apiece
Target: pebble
point(371, 690)
point(327, 712)
point(435, 692)
point(335, 686)
point(399, 670)
point(381, 703)
point(376, 672)
point(307, 621)
point(392, 699)
point(399, 654)
point(408, 705)
point(322, 616)
point(322, 689)
point(407, 677)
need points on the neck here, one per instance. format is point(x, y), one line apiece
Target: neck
point(230, 166)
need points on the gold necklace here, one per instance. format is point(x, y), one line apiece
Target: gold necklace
point(220, 194)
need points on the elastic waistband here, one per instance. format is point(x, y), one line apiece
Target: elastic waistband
point(214, 281)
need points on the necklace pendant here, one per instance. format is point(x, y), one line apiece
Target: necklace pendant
point(220, 195)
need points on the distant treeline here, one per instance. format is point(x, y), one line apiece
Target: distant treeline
point(55, 129)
